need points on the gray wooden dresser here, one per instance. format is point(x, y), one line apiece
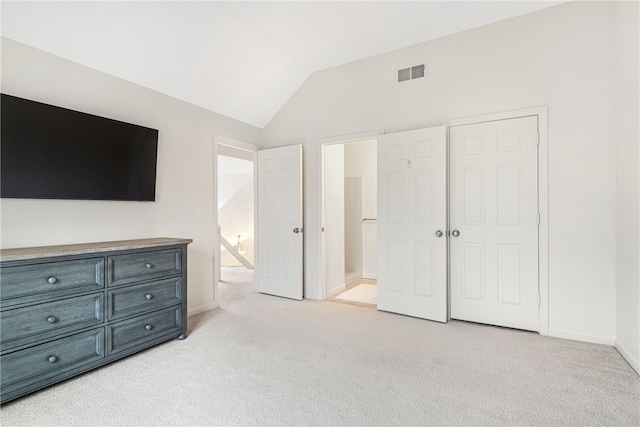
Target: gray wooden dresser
point(65, 310)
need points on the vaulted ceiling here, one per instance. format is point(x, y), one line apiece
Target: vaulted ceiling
point(240, 59)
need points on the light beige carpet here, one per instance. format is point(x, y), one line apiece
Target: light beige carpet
point(268, 361)
point(363, 293)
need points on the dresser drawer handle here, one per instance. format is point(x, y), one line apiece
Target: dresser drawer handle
point(148, 296)
point(51, 319)
point(148, 265)
point(52, 280)
point(52, 359)
point(148, 327)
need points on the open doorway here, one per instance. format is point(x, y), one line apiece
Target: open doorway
point(349, 221)
point(234, 220)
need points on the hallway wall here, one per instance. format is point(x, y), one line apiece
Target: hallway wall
point(361, 161)
point(333, 220)
point(352, 228)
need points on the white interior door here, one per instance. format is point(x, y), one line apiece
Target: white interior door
point(494, 222)
point(412, 247)
point(280, 221)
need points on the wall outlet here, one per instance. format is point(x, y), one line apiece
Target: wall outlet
point(198, 213)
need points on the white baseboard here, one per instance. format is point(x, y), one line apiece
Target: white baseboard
point(372, 276)
point(352, 277)
point(336, 290)
point(202, 309)
point(557, 333)
point(628, 356)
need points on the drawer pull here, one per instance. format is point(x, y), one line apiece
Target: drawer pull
point(148, 265)
point(148, 327)
point(148, 296)
point(52, 280)
point(52, 359)
point(51, 319)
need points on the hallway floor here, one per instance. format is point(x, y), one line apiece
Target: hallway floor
point(361, 292)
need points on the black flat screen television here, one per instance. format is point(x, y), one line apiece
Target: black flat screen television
point(49, 152)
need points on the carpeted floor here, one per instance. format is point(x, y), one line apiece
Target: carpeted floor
point(263, 360)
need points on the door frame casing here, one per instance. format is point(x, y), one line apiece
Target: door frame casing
point(225, 140)
point(543, 197)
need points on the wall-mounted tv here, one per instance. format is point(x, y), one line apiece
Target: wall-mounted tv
point(49, 152)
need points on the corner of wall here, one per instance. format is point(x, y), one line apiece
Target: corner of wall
point(624, 20)
point(631, 358)
point(202, 309)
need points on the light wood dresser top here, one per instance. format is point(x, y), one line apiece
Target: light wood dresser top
point(19, 254)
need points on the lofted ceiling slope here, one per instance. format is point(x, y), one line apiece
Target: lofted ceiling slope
point(240, 59)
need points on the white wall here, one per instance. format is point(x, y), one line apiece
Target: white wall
point(235, 219)
point(235, 173)
point(230, 184)
point(352, 228)
point(333, 220)
point(235, 152)
point(361, 161)
point(559, 57)
point(184, 174)
point(627, 127)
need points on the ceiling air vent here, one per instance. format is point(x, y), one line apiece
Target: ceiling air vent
point(411, 73)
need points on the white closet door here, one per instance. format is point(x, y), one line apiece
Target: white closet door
point(494, 223)
point(412, 248)
point(279, 234)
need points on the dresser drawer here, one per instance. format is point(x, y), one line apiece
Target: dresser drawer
point(137, 266)
point(49, 319)
point(137, 299)
point(43, 279)
point(45, 360)
point(137, 331)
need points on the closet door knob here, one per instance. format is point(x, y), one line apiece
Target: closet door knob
point(439, 233)
point(455, 233)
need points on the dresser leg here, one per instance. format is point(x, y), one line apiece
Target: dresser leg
point(182, 336)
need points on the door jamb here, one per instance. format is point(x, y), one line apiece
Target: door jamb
point(543, 197)
point(225, 140)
